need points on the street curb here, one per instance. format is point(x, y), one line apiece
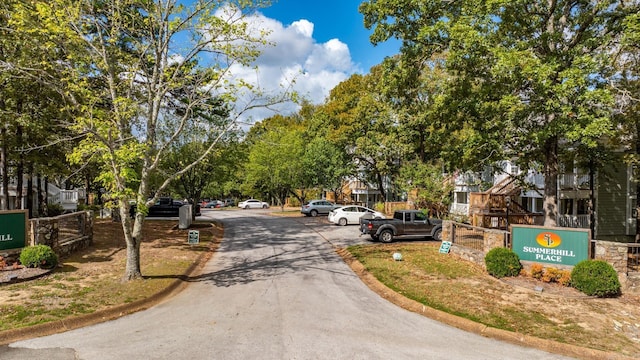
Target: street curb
point(471, 326)
point(13, 335)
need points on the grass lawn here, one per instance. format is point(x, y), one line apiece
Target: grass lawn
point(447, 283)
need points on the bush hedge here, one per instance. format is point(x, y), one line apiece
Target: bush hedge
point(54, 210)
point(39, 256)
point(502, 262)
point(595, 278)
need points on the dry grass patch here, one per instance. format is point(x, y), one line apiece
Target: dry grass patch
point(91, 280)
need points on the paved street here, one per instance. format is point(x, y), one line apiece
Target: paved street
point(274, 290)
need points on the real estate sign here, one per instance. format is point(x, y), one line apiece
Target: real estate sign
point(560, 246)
point(13, 229)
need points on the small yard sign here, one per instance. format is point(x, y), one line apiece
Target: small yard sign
point(445, 246)
point(13, 229)
point(560, 246)
point(194, 236)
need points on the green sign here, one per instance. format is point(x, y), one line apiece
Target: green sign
point(560, 246)
point(13, 229)
point(445, 246)
point(194, 236)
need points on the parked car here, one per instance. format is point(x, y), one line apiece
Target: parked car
point(229, 202)
point(315, 207)
point(351, 214)
point(253, 204)
point(213, 204)
point(165, 206)
point(404, 223)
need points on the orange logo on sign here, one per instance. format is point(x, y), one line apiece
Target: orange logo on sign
point(548, 239)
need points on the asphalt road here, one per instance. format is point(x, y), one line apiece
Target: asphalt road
point(274, 290)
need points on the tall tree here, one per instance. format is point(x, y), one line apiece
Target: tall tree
point(34, 135)
point(138, 71)
point(275, 164)
point(627, 86)
point(360, 121)
point(325, 165)
point(532, 69)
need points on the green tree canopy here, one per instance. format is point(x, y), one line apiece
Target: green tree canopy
point(140, 75)
point(532, 72)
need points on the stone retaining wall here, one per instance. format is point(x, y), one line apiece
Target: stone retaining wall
point(614, 253)
point(65, 234)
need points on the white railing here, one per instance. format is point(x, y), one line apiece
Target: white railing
point(467, 179)
point(573, 181)
point(67, 198)
point(573, 221)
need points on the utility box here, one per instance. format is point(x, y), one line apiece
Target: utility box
point(185, 216)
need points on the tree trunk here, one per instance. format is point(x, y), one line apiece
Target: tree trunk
point(46, 196)
point(550, 203)
point(635, 175)
point(380, 181)
point(30, 191)
point(133, 239)
point(41, 203)
point(4, 170)
point(592, 199)
point(19, 172)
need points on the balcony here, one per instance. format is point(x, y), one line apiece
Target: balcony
point(574, 221)
point(573, 181)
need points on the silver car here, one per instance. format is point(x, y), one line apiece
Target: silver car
point(315, 207)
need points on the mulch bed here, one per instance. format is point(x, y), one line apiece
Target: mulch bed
point(9, 275)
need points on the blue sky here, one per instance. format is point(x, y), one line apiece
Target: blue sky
point(316, 45)
point(335, 19)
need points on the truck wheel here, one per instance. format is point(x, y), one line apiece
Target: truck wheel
point(437, 235)
point(342, 222)
point(386, 236)
point(314, 213)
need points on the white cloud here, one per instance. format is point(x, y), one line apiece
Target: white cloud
point(295, 54)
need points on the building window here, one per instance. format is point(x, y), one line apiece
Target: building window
point(532, 204)
point(583, 206)
point(566, 206)
point(462, 197)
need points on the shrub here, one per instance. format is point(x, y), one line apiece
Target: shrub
point(502, 262)
point(595, 278)
point(38, 256)
point(565, 278)
point(294, 202)
point(379, 206)
point(551, 275)
point(54, 210)
point(537, 271)
point(83, 207)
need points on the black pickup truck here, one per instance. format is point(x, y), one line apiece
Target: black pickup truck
point(166, 206)
point(404, 223)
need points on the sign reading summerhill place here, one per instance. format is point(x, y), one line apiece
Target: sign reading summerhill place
point(560, 246)
point(13, 229)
